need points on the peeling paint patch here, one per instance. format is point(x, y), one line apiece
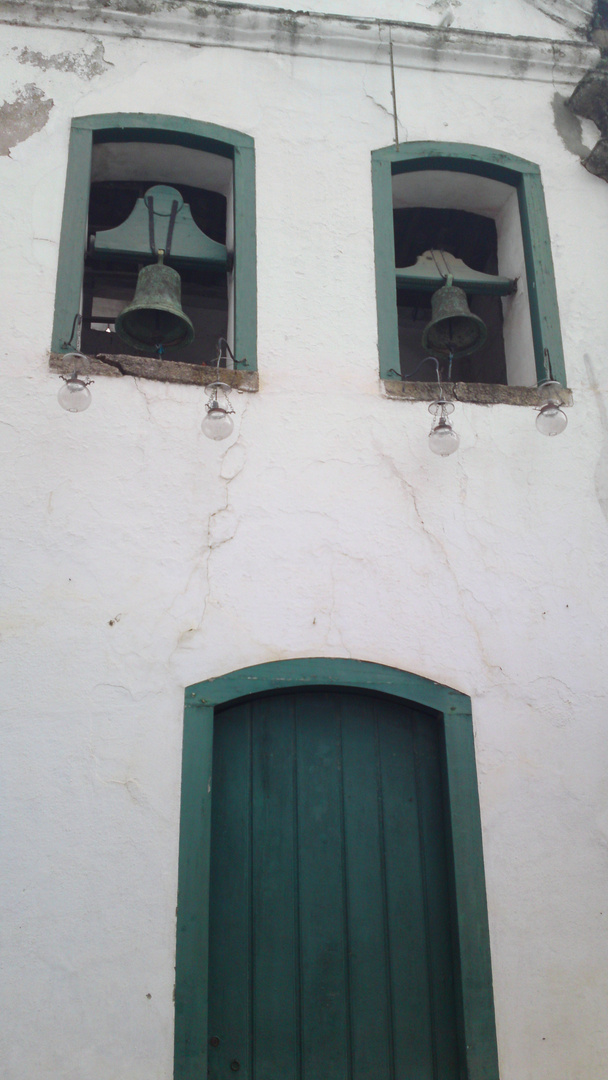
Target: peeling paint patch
point(85, 65)
point(23, 117)
point(444, 5)
point(568, 127)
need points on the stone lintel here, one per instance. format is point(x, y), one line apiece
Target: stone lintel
point(172, 371)
point(475, 393)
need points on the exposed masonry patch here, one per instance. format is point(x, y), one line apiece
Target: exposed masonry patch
point(85, 65)
point(590, 100)
point(569, 127)
point(23, 117)
point(444, 5)
point(599, 25)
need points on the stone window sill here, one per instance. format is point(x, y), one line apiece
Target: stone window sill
point(143, 367)
point(476, 393)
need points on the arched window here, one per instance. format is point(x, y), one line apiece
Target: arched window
point(138, 185)
point(481, 214)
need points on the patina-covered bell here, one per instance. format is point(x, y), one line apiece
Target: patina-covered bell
point(453, 330)
point(154, 319)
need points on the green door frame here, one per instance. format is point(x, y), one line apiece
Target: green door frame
point(171, 130)
point(453, 710)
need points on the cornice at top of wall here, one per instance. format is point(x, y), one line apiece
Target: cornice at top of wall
point(307, 34)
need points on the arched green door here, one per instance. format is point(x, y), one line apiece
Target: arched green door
point(329, 930)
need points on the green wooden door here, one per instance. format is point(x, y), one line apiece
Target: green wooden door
point(330, 954)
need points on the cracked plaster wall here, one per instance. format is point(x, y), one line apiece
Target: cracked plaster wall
point(142, 557)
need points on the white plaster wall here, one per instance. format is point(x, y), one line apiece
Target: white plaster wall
point(140, 557)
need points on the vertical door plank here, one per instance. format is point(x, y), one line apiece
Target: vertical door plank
point(413, 1042)
point(229, 922)
point(432, 831)
point(324, 982)
point(371, 1020)
point(275, 980)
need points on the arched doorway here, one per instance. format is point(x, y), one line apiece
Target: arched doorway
point(330, 862)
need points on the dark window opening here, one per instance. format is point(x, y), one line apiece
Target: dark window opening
point(110, 282)
point(467, 236)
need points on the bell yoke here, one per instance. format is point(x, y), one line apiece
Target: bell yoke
point(154, 320)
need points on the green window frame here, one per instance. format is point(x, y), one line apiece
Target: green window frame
point(170, 130)
point(470, 921)
point(524, 177)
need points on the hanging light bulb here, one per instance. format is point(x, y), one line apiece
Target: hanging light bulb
point(75, 396)
point(551, 420)
point(443, 440)
point(218, 423)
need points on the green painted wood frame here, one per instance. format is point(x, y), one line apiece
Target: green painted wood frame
point(453, 710)
point(522, 175)
point(175, 130)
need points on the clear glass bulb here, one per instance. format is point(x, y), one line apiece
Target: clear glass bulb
point(443, 440)
point(74, 395)
point(217, 423)
point(551, 420)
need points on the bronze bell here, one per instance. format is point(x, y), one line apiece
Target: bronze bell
point(154, 319)
point(453, 330)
